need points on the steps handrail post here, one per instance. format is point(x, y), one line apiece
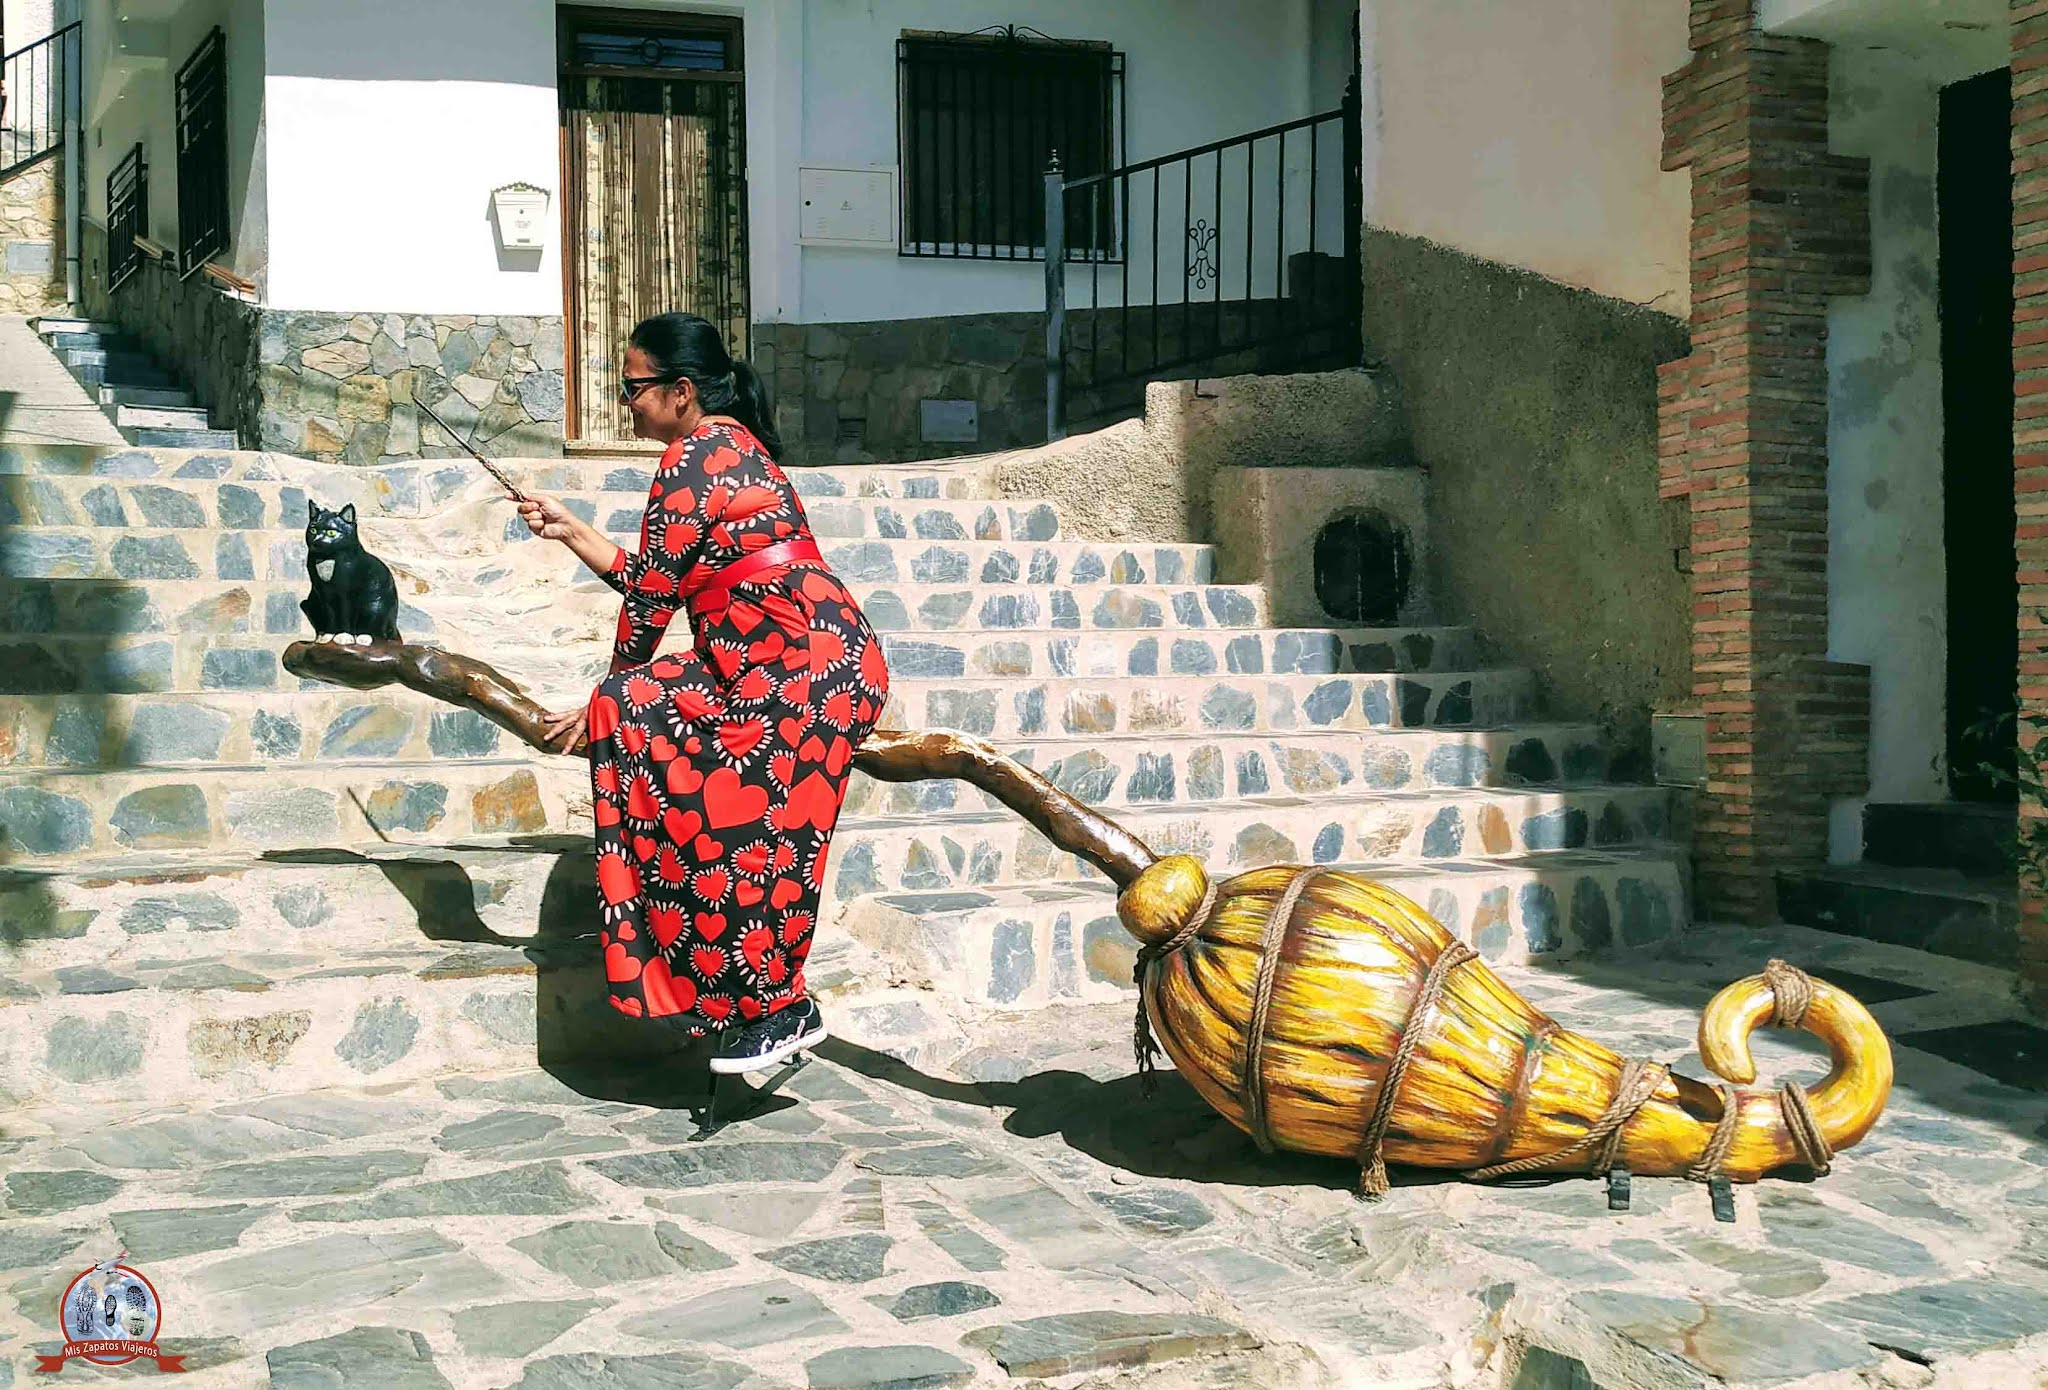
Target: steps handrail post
point(73, 67)
point(1055, 299)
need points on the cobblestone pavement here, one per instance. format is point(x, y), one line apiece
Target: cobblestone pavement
point(1009, 1210)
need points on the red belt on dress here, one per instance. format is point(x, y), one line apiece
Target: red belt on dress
point(710, 581)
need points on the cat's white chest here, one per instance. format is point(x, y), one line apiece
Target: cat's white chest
point(324, 570)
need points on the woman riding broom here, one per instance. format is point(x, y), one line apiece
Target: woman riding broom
point(717, 772)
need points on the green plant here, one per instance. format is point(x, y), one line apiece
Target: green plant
point(2020, 762)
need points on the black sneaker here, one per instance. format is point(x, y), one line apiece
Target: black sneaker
point(772, 1040)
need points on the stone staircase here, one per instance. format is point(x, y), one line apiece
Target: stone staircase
point(223, 881)
point(143, 399)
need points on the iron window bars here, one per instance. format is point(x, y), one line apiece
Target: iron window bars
point(202, 111)
point(979, 116)
point(127, 216)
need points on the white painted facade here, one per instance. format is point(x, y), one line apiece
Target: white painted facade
point(368, 135)
point(1528, 135)
point(1887, 572)
point(133, 50)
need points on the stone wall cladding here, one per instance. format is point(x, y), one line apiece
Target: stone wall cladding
point(32, 239)
point(850, 392)
point(1779, 225)
point(206, 337)
point(339, 387)
point(2030, 426)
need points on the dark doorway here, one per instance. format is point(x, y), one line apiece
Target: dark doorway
point(1977, 404)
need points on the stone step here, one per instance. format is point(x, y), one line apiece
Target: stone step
point(295, 1013)
point(147, 553)
point(149, 436)
point(132, 664)
point(433, 481)
point(1941, 910)
point(96, 376)
point(143, 395)
point(1194, 770)
point(62, 341)
point(433, 609)
point(58, 815)
point(115, 361)
point(241, 722)
point(1023, 708)
point(466, 497)
point(1024, 947)
point(157, 417)
point(270, 1000)
point(1080, 563)
point(1975, 839)
point(58, 323)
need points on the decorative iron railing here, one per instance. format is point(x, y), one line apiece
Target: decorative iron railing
point(202, 107)
point(127, 216)
point(1231, 253)
point(39, 86)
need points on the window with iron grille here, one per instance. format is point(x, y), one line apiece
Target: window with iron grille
point(978, 118)
point(127, 216)
point(202, 105)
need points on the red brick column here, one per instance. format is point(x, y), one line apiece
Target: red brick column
point(1778, 226)
point(2030, 422)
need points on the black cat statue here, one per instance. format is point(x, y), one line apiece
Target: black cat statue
point(354, 599)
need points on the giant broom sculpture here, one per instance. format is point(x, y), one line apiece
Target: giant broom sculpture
point(1324, 1013)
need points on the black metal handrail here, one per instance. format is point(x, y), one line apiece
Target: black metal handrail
point(127, 216)
point(39, 83)
point(1229, 248)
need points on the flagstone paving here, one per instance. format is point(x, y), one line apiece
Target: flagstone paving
point(1008, 1210)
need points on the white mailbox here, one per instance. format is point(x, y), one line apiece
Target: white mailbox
point(521, 212)
point(846, 207)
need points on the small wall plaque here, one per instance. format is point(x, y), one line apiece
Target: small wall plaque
point(949, 422)
point(1678, 749)
point(31, 257)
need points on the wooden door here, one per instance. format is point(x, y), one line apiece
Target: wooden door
point(654, 179)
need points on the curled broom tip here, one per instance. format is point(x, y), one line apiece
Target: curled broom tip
point(1162, 901)
point(1859, 1079)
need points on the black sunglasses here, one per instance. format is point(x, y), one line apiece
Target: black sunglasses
point(631, 386)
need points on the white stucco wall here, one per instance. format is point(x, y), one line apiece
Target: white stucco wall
point(1530, 135)
point(390, 120)
point(25, 21)
point(1193, 75)
point(130, 97)
point(1886, 567)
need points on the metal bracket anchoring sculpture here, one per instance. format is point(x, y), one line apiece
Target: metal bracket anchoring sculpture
point(1324, 1013)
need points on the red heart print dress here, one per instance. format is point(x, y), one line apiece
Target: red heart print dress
point(718, 773)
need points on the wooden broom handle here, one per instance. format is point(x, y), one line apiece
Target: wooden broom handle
point(887, 756)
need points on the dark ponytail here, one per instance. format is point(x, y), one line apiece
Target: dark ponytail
point(686, 346)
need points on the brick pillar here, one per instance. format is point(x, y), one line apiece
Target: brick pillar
point(2030, 424)
point(1778, 226)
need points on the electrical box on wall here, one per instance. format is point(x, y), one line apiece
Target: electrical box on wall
point(846, 207)
point(520, 210)
point(1678, 749)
